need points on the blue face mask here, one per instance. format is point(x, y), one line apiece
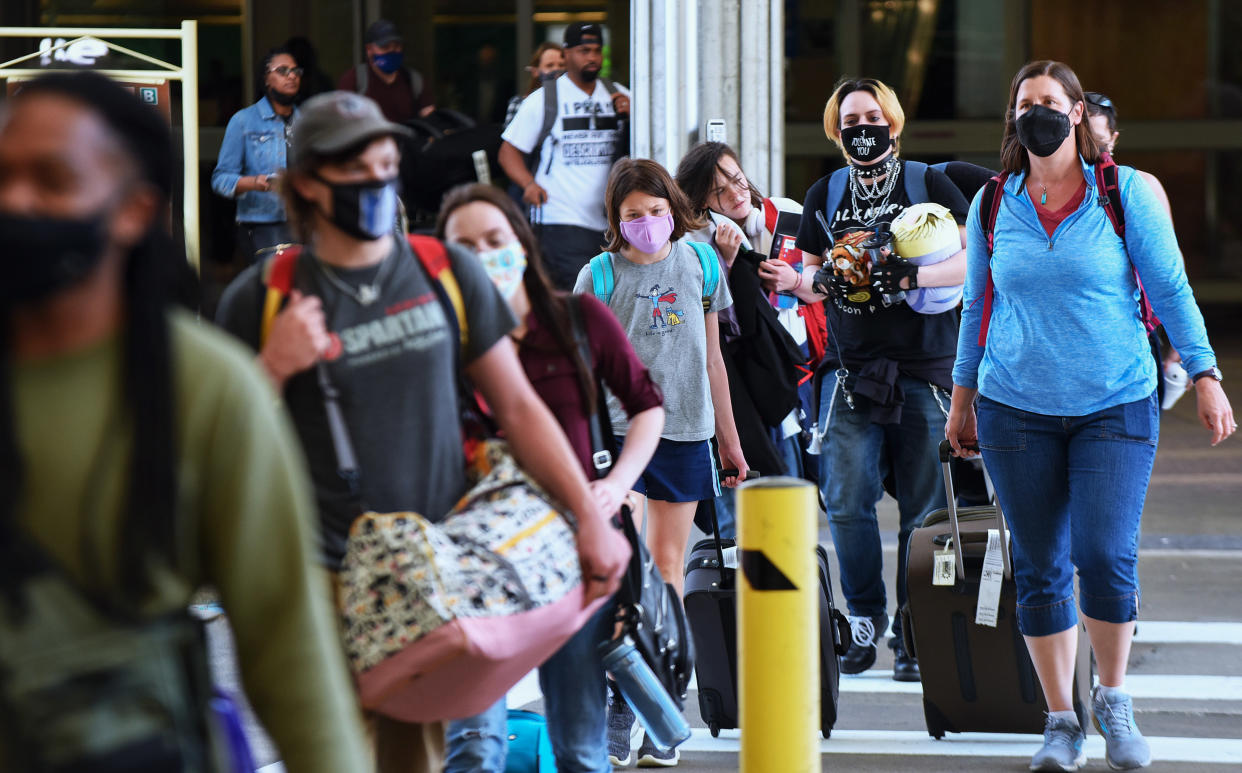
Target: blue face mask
point(390, 62)
point(367, 210)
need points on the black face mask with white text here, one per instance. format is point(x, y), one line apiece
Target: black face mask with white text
point(866, 142)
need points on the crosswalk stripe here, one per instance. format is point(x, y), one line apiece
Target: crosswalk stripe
point(1179, 632)
point(1141, 686)
point(916, 743)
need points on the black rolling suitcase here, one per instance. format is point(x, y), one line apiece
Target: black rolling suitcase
point(975, 677)
point(711, 607)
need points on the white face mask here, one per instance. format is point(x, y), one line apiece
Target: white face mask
point(505, 266)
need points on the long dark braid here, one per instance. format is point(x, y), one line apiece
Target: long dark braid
point(549, 306)
point(149, 528)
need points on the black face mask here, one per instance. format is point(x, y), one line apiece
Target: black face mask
point(284, 100)
point(43, 255)
point(366, 210)
point(1041, 130)
point(865, 142)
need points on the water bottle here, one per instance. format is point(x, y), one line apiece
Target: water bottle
point(882, 240)
point(1175, 378)
point(653, 706)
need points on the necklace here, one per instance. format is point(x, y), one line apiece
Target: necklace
point(876, 194)
point(1043, 197)
point(365, 294)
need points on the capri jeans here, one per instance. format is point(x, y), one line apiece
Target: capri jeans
point(1072, 489)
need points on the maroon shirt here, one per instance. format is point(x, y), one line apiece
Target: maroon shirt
point(1050, 219)
point(395, 99)
point(555, 378)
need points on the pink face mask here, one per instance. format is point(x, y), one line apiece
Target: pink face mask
point(648, 233)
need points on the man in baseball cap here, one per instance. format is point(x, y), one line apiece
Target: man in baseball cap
point(401, 91)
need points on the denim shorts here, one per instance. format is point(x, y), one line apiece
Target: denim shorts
point(679, 471)
point(1072, 490)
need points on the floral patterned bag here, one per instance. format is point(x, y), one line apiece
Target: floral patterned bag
point(442, 619)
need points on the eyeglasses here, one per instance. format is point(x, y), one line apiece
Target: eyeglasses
point(1099, 100)
point(285, 71)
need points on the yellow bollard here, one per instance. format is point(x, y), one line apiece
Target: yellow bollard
point(778, 627)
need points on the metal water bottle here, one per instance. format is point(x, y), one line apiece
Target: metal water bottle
point(879, 241)
point(645, 693)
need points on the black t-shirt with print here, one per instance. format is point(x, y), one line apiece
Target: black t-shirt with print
point(393, 363)
point(868, 330)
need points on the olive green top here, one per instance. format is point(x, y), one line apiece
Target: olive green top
point(246, 512)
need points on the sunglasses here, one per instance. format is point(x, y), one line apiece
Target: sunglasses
point(286, 71)
point(1099, 100)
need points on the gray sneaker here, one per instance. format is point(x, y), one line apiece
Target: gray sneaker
point(622, 730)
point(1125, 748)
point(651, 757)
point(1062, 748)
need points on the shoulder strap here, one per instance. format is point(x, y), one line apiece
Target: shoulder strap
point(601, 445)
point(1108, 189)
point(711, 271)
point(603, 282)
point(278, 279)
point(432, 254)
point(360, 77)
point(836, 192)
point(416, 82)
point(916, 181)
point(612, 87)
point(989, 207)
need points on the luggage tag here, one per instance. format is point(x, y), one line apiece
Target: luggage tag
point(990, 580)
point(944, 565)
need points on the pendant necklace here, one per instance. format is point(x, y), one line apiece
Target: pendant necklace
point(365, 294)
point(876, 194)
point(1043, 197)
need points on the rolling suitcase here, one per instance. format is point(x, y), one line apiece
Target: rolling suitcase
point(975, 677)
point(711, 607)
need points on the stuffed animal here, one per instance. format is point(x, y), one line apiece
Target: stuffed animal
point(926, 234)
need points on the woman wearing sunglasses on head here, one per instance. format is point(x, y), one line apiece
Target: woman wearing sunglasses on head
point(1057, 356)
point(252, 157)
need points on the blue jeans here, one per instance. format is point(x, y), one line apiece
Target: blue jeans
point(854, 458)
point(478, 744)
point(575, 698)
point(1072, 489)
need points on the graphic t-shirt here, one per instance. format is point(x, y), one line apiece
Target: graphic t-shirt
point(865, 328)
point(393, 363)
point(576, 158)
point(660, 308)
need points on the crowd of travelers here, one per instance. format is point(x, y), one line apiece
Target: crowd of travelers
point(145, 454)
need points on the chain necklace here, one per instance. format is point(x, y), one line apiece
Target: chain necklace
point(877, 194)
point(365, 294)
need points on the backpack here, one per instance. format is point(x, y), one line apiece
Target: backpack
point(604, 282)
point(87, 683)
point(530, 747)
point(550, 113)
point(278, 279)
point(362, 74)
point(1108, 196)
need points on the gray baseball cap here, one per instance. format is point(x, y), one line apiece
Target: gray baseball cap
point(331, 122)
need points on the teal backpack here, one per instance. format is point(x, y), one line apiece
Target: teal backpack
point(530, 748)
point(604, 282)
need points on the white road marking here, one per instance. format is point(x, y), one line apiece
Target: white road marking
point(1176, 632)
point(1141, 686)
point(920, 744)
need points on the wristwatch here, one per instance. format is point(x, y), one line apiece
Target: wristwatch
point(1212, 372)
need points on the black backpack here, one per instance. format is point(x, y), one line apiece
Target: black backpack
point(441, 156)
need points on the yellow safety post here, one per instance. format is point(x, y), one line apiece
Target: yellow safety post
point(778, 627)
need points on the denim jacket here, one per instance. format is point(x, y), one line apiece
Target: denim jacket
point(254, 143)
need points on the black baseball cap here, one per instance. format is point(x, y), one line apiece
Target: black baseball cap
point(382, 32)
point(583, 33)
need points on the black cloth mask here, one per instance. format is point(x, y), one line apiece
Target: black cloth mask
point(1041, 130)
point(284, 100)
point(43, 255)
point(865, 142)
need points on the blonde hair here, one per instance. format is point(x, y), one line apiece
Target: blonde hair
point(890, 106)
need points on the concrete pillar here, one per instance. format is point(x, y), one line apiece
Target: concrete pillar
point(697, 61)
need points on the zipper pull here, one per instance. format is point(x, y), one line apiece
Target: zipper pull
point(1050, 245)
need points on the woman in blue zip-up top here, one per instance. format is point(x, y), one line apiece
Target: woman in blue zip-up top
point(252, 157)
point(1066, 412)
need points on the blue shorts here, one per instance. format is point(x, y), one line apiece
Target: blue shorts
point(679, 471)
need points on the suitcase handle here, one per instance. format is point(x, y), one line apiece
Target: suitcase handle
point(946, 450)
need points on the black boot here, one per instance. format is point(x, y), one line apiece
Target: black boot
point(905, 665)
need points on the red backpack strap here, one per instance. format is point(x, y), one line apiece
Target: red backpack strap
point(434, 257)
point(989, 207)
point(278, 279)
point(1108, 189)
